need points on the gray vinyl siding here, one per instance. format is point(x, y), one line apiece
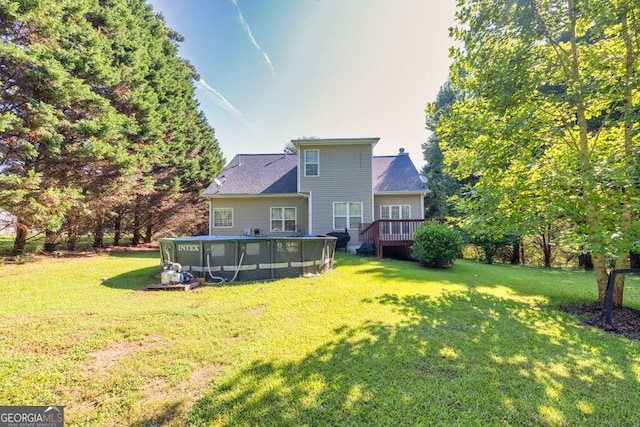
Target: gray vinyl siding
point(254, 212)
point(413, 200)
point(345, 176)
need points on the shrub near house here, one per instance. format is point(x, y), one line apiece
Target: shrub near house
point(436, 245)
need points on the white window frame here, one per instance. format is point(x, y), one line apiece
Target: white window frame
point(283, 219)
point(348, 215)
point(317, 163)
point(214, 217)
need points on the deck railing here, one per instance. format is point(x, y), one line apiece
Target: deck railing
point(389, 232)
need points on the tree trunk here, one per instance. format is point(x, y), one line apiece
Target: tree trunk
point(584, 156)
point(624, 260)
point(135, 241)
point(98, 232)
point(618, 286)
point(489, 252)
point(546, 248)
point(117, 230)
point(21, 237)
point(148, 232)
point(50, 240)
point(602, 276)
point(515, 255)
point(585, 261)
point(634, 260)
point(72, 239)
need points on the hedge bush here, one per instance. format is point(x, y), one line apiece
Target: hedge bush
point(436, 245)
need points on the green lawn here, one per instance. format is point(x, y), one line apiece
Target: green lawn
point(370, 343)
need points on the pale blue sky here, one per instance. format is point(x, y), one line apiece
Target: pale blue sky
point(276, 70)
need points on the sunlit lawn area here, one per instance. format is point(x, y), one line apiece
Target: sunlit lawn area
point(371, 343)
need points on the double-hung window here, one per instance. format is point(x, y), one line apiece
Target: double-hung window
point(283, 219)
point(222, 217)
point(311, 163)
point(347, 215)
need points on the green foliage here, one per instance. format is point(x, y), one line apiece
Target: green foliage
point(490, 245)
point(442, 185)
point(99, 118)
point(544, 120)
point(436, 245)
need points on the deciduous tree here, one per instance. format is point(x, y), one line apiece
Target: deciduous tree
point(547, 120)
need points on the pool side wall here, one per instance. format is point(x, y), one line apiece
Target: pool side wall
point(257, 258)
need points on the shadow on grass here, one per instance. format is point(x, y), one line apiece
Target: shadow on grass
point(151, 253)
point(462, 358)
point(135, 279)
point(164, 417)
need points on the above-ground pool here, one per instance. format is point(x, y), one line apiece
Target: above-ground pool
point(249, 258)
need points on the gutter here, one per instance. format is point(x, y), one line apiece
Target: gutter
point(399, 193)
point(241, 196)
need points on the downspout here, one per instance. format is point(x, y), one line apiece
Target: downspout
point(210, 216)
point(373, 194)
point(310, 214)
point(307, 196)
point(309, 211)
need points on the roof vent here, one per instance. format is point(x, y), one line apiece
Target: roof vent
point(401, 151)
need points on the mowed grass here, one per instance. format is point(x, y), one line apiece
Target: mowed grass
point(373, 342)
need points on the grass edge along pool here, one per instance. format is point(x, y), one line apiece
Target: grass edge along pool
point(249, 258)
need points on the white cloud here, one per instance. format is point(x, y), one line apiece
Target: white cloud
point(221, 101)
point(247, 29)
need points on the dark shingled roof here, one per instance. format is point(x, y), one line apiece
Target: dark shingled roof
point(395, 173)
point(257, 174)
point(277, 174)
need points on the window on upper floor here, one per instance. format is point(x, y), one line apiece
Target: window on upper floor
point(311, 163)
point(222, 217)
point(347, 215)
point(283, 219)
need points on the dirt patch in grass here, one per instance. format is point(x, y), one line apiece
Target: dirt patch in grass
point(187, 389)
point(168, 404)
point(105, 358)
point(258, 310)
point(626, 321)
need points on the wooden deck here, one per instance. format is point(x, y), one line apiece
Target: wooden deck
point(384, 233)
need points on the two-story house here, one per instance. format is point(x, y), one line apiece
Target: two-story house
point(330, 185)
